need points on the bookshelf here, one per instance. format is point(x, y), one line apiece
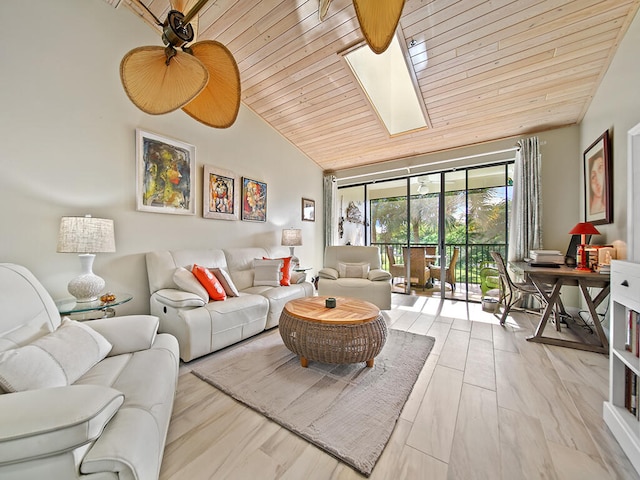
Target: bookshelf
point(622, 413)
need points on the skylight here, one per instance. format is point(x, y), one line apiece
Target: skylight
point(386, 81)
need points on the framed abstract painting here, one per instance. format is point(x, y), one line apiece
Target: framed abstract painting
point(254, 200)
point(165, 175)
point(308, 210)
point(220, 194)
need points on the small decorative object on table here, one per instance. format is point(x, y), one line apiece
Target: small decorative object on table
point(107, 297)
point(330, 302)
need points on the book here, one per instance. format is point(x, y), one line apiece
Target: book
point(546, 256)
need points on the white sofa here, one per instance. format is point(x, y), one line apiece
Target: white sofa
point(203, 327)
point(110, 423)
point(354, 271)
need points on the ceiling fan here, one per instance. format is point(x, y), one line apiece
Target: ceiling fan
point(425, 185)
point(202, 78)
point(378, 20)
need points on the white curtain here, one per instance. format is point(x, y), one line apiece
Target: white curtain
point(330, 217)
point(525, 231)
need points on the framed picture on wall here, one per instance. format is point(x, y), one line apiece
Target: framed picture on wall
point(308, 210)
point(254, 200)
point(165, 175)
point(220, 199)
point(598, 182)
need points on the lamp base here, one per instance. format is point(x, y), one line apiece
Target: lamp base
point(87, 286)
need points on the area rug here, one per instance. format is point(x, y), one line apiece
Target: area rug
point(349, 411)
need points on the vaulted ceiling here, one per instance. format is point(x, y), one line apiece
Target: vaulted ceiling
point(485, 69)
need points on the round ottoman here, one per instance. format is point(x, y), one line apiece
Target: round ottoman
point(352, 332)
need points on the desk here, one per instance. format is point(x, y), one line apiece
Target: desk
point(568, 276)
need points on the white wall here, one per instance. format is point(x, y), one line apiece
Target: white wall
point(68, 148)
point(616, 107)
point(560, 166)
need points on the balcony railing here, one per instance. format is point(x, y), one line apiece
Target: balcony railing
point(469, 261)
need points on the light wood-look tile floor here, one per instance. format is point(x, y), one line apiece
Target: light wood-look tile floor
point(487, 405)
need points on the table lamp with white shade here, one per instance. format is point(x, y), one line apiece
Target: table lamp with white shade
point(87, 236)
point(291, 237)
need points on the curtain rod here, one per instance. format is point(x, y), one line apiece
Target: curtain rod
point(408, 168)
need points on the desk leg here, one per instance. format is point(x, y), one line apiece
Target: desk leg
point(548, 309)
point(592, 305)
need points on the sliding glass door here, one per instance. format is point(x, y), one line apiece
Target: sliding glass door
point(454, 218)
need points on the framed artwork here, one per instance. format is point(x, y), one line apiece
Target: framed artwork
point(254, 200)
point(308, 210)
point(220, 199)
point(598, 182)
point(165, 175)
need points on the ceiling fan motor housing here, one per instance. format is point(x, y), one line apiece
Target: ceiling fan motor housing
point(175, 33)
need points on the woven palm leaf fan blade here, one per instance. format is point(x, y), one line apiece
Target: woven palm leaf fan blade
point(378, 21)
point(156, 86)
point(218, 104)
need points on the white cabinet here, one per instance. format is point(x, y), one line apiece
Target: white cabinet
point(624, 364)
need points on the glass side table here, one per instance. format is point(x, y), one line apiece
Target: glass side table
point(91, 310)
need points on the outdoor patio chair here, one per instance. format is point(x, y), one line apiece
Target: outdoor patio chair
point(450, 271)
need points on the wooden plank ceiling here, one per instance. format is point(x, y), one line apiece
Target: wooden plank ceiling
point(486, 69)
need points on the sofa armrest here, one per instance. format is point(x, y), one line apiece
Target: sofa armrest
point(298, 277)
point(127, 334)
point(172, 297)
point(329, 273)
point(377, 274)
point(37, 423)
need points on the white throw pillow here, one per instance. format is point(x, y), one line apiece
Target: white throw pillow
point(353, 270)
point(187, 281)
point(267, 272)
point(225, 280)
point(55, 360)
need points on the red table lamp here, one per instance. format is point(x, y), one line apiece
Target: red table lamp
point(583, 229)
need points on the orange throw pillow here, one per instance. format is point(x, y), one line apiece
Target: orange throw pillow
point(209, 282)
point(285, 281)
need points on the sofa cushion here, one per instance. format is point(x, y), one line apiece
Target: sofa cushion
point(210, 282)
point(267, 272)
point(54, 360)
point(353, 270)
point(187, 281)
point(225, 280)
point(285, 270)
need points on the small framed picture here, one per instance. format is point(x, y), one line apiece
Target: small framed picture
point(221, 198)
point(165, 175)
point(598, 184)
point(254, 200)
point(308, 210)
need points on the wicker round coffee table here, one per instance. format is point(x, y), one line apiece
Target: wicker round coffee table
point(352, 332)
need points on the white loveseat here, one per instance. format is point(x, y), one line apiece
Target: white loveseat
point(354, 271)
point(110, 423)
point(201, 326)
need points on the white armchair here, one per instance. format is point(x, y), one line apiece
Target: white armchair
point(80, 400)
point(353, 271)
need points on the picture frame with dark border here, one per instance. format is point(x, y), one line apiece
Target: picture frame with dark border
point(308, 210)
point(221, 198)
point(598, 181)
point(254, 200)
point(165, 175)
